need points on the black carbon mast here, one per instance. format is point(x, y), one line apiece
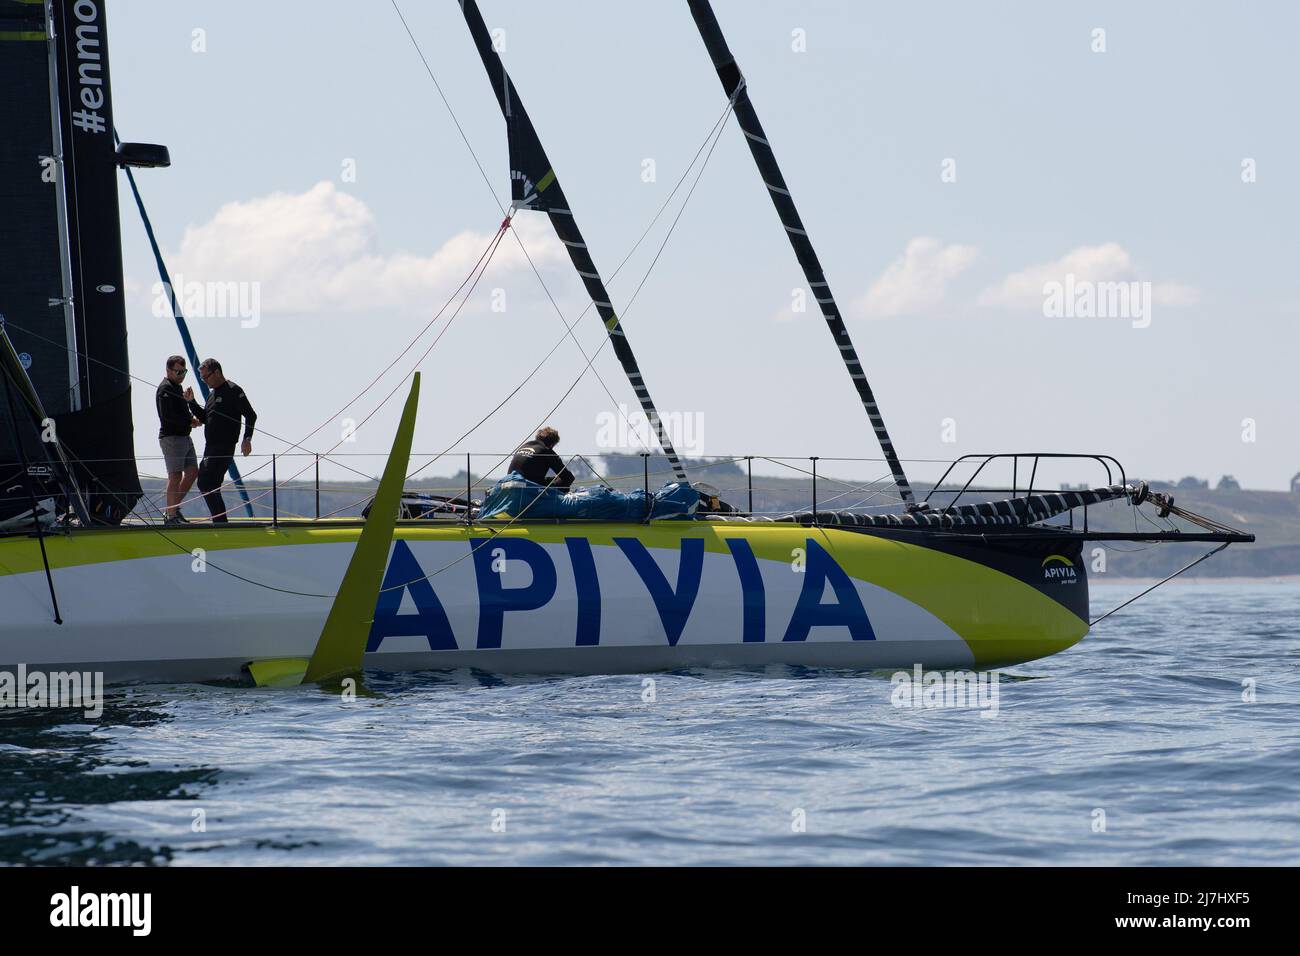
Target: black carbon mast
point(733, 84)
point(533, 185)
point(61, 284)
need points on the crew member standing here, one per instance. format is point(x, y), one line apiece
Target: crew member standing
point(226, 406)
point(537, 458)
point(174, 424)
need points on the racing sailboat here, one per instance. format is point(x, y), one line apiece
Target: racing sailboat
point(554, 586)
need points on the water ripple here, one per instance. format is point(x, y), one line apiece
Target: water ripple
point(1136, 747)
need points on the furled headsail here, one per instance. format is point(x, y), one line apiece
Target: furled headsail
point(1016, 512)
point(733, 84)
point(46, 466)
point(533, 185)
point(61, 275)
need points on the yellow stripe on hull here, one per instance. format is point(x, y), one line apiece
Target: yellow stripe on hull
point(1001, 618)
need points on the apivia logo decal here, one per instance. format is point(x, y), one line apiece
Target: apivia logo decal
point(673, 601)
point(1057, 567)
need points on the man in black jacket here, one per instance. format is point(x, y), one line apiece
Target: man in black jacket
point(537, 458)
point(175, 422)
point(226, 405)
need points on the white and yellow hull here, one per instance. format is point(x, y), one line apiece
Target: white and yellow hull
point(200, 603)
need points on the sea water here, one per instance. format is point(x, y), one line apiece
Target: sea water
point(1171, 735)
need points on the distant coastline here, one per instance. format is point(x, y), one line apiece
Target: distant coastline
point(1107, 579)
point(1272, 516)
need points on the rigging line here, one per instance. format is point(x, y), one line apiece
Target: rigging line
point(493, 532)
point(178, 315)
point(1110, 546)
point(712, 136)
point(487, 181)
point(685, 201)
point(70, 458)
point(733, 82)
point(450, 112)
point(862, 502)
point(496, 239)
point(348, 506)
point(19, 441)
point(487, 251)
point(866, 486)
point(515, 391)
point(653, 262)
point(893, 500)
point(1187, 567)
point(184, 550)
point(805, 471)
point(481, 268)
point(568, 331)
point(1209, 524)
point(207, 563)
point(180, 547)
point(447, 325)
point(326, 455)
point(249, 501)
point(713, 133)
point(592, 469)
point(1167, 526)
point(143, 381)
point(85, 463)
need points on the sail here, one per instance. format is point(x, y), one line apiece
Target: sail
point(533, 185)
point(61, 276)
point(733, 84)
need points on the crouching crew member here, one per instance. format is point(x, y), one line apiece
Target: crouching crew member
point(537, 458)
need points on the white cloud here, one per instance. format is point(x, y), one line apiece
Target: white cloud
point(917, 280)
point(316, 251)
point(1108, 262)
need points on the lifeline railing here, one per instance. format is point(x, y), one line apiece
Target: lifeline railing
point(1036, 456)
point(1104, 460)
point(809, 472)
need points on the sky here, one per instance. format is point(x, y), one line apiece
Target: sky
point(953, 162)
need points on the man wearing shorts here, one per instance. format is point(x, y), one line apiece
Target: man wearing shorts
point(175, 422)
